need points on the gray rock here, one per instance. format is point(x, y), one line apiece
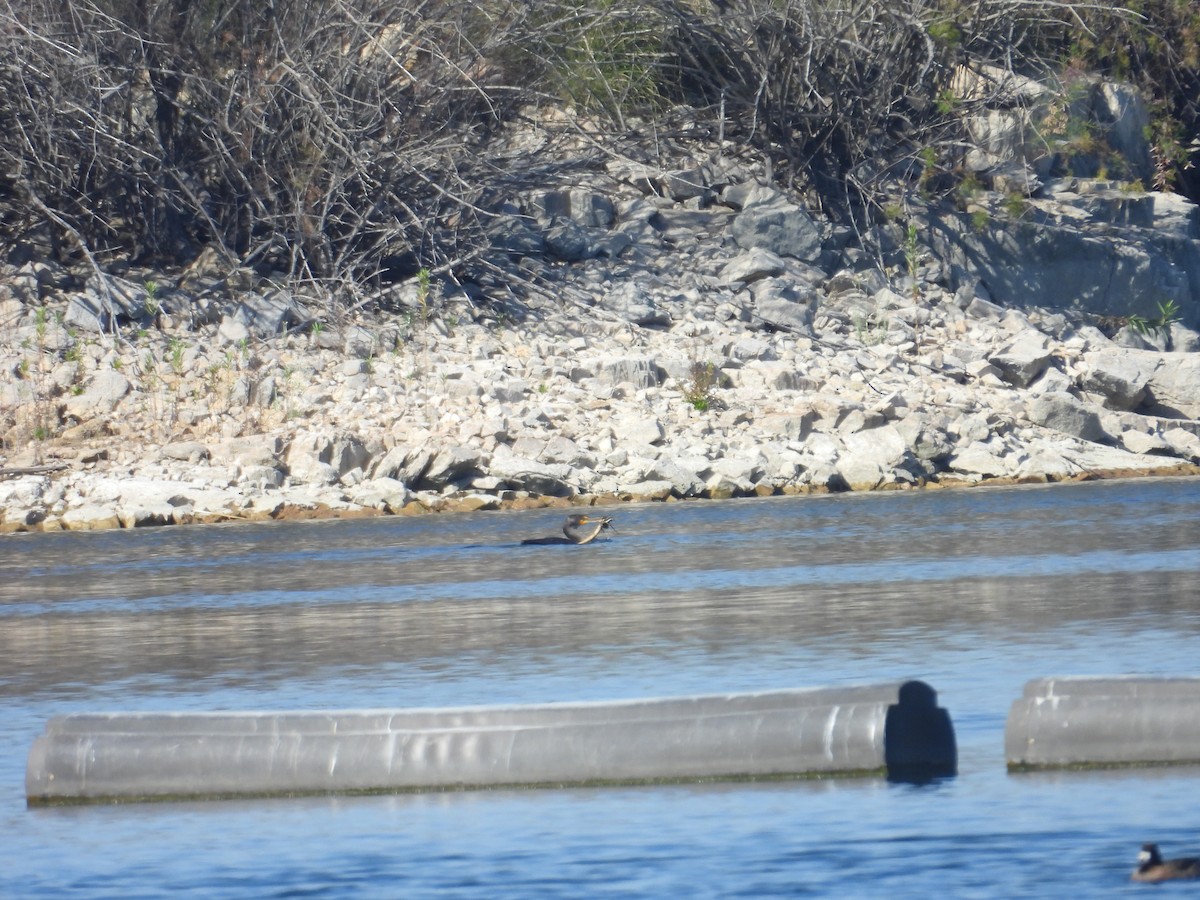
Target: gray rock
point(781, 376)
point(510, 390)
point(1023, 359)
point(579, 205)
point(260, 477)
point(1121, 108)
point(134, 515)
point(516, 236)
point(23, 500)
point(1073, 265)
point(785, 305)
point(1119, 208)
point(732, 477)
point(1174, 388)
point(1184, 339)
point(1064, 413)
point(89, 312)
point(641, 371)
point(263, 392)
point(359, 343)
point(563, 450)
point(685, 184)
point(751, 348)
point(752, 265)
point(568, 241)
point(684, 482)
point(524, 474)
point(925, 439)
point(102, 307)
point(772, 222)
point(450, 466)
point(347, 453)
point(266, 315)
point(1119, 376)
point(634, 303)
point(1051, 380)
point(404, 463)
point(190, 451)
point(1175, 214)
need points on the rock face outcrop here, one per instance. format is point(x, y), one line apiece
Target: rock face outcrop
point(700, 335)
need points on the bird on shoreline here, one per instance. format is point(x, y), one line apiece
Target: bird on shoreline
point(1152, 868)
point(579, 529)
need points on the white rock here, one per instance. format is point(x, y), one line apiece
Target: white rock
point(639, 430)
point(981, 459)
point(102, 394)
point(1183, 443)
point(387, 494)
point(90, 517)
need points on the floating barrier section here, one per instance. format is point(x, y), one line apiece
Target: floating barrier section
point(1111, 721)
point(893, 729)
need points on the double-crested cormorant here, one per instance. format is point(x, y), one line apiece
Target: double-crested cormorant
point(580, 529)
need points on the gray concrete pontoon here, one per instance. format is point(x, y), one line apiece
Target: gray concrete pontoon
point(889, 729)
point(1106, 721)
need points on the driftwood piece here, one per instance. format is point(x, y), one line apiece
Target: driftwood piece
point(17, 471)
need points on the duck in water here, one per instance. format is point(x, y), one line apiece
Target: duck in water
point(1152, 868)
point(580, 529)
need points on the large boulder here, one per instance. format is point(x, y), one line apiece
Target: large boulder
point(1174, 388)
point(772, 222)
point(105, 391)
point(1096, 269)
point(1024, 358)
point(1119, 376)
point(1064, 413)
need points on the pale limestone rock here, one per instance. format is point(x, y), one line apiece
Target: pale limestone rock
point(684, 482)
point(103, 393)
point(981, 459)
point(90, 517)
point(251, 450)
point(639, 430)
point(1183, 443)
point(386, 494)
point(132, 515)
point(1140, 442)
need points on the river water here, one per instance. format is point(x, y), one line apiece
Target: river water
point(973, 591)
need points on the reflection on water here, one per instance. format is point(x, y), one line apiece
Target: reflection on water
point(972, 591)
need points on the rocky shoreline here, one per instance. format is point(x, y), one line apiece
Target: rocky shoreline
point(586, 406)
point(697, 335)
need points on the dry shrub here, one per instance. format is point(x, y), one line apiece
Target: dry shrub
point(343, 141)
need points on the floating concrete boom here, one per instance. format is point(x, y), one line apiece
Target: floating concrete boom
point(894, 729)
point(1111, 721)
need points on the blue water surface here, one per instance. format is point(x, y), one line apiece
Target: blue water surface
point(973, 591)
